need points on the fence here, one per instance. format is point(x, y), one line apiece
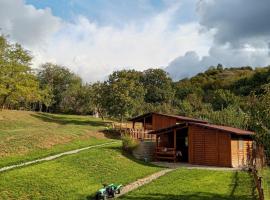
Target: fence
point(138, 132)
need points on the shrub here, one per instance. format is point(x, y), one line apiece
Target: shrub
point(128, 143)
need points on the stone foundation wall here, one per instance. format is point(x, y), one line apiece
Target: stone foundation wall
point(145, 150)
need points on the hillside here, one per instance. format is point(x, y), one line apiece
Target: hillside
point(27, 135)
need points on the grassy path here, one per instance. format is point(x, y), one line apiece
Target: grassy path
point(53, 157)
point(139, 183)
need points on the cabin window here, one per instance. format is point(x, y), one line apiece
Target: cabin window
point(241, 144)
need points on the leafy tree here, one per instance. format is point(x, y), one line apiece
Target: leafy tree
point(124, 93)
point(62, 83)
point(17, 81)
point(158, 86)
point(99, 97)
point(46, 98)
point(223, 98)
point(77, 99)
point(260, 115)
point(230, 116)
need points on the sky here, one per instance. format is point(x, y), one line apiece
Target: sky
point(95, 37)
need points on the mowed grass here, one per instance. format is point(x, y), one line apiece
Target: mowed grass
point(187, 184)
point(30, 135)
point(76, 176)
point(266, 182)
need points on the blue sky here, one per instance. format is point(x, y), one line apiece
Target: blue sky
point(116, 12)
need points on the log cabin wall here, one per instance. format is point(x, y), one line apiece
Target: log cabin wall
point(241, 151)
point(209, 147)
point(160, 121)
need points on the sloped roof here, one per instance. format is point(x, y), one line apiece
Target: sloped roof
point(183, 118)
point(229, 129)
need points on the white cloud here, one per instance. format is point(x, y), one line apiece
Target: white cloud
point(26, 24)
point(240, 30)
point(94, 51)
point(190, 64)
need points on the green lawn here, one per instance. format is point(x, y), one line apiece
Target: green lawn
point(185, 184)
point(266, 182)
point(30, 135)
point(73, 177)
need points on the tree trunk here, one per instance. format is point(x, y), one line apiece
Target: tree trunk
point(121, 122)
point(2, 105)
point(100, 113)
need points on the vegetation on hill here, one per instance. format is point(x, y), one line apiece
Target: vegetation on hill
point(239, 97)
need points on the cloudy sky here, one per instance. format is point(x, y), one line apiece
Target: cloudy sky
point(95, 37)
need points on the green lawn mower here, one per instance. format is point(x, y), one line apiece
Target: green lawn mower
point(108, 191)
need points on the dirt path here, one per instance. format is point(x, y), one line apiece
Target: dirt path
point(53, 156)
point(143, 181)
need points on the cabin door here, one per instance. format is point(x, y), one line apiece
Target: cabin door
point(182, 145)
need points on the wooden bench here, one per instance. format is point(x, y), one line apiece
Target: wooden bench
point(164, 153)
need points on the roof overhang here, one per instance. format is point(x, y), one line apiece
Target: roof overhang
point(169, 129)
point(227, 129)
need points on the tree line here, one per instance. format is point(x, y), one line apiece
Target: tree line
point(238, 97)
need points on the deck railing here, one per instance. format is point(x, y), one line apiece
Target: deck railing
point(140, 134)
point(136, 133)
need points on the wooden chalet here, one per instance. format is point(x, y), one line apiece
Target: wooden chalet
point(184, 139)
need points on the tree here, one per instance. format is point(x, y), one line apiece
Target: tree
point(158, 86)
point(77, 99)
point(46, 98)
point(124, 93)
point(17, 81)
point(223, 98)
point(260, 115)
point(98, 96)
point(61, 81)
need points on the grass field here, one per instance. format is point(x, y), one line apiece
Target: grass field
point(72, 177)
point(29, 135)
point(266, 182)
point(185, 184)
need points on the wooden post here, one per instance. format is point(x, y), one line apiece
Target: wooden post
point(133, 124)
point(144, 123)
point(174, 138)
point(174, 143)
point(156, 148)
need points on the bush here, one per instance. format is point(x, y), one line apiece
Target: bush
point(129, 143)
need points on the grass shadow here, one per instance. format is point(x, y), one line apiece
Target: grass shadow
point(184, 196)
point(111, 134)
point(64, 120)
point(237, 184)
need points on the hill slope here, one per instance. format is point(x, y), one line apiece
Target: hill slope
point(28, 135)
